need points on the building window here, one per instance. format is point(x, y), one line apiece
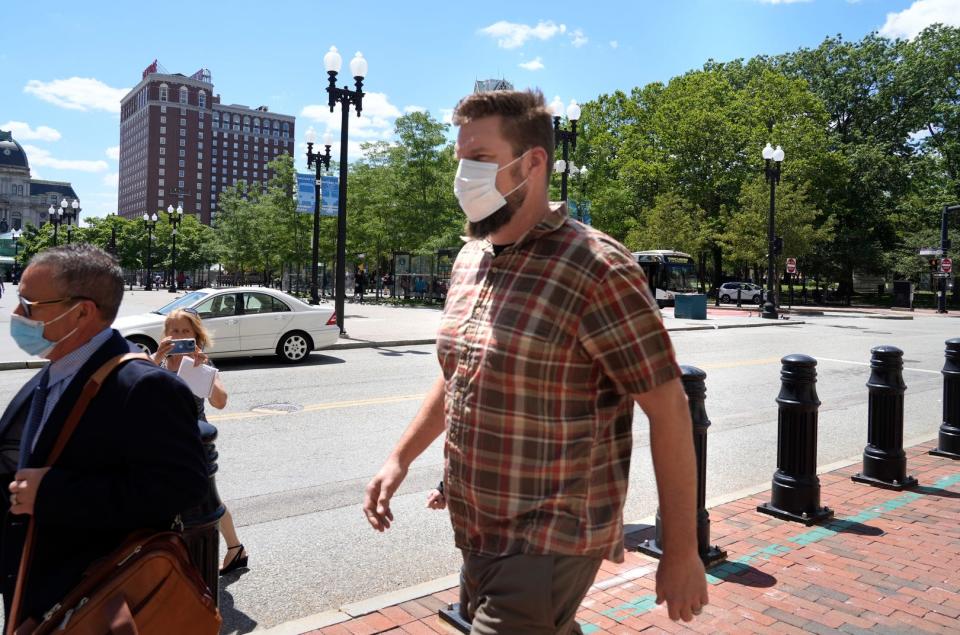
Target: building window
point(163, 141)
point(182, 163)
point(180, 184)
point(163, 119)
point(183, 153)
point(163, 161)
point(162, 150)
point(163, 95)
point(183, 94)
point(162, 171)
point(180, 174)
point(183, 142)
point(202, 99)
point(160, 182)
point(286, 130)
point(200, 125)
point(163, 109)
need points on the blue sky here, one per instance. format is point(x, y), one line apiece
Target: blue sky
point(65, 65)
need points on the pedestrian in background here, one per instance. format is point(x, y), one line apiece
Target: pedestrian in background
point(134, 460)
point(548, 338)
point(186, 324)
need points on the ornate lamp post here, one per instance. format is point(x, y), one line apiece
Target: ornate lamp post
point(773, 159)
point(71, 211)
point(317, 162)
point(563, 138)
point(944, 246)
point(344, 96)
point(56, 219)
point(150, 222)
point(581, 175)
point(175, 217)
point(15, 236)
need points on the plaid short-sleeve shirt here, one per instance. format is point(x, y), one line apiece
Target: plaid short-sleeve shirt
point(541, 348)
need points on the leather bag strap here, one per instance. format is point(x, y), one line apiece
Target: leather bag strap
point(90, 389)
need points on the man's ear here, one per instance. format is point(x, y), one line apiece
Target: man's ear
point(536, 159)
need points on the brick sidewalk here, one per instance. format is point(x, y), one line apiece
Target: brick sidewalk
point(888, 563)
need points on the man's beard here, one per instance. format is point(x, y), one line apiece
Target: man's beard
point(483, 228)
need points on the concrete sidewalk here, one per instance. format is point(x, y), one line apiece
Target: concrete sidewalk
point(368, 324)
point(889, 562)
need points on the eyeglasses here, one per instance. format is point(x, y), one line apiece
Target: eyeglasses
point(27, 305)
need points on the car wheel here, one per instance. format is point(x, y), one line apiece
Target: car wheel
point(725, 298)
point(758, 299)
point(145, 344)
point(294, 347)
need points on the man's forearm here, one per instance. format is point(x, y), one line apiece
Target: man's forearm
point(674, 464)
point(426, 426)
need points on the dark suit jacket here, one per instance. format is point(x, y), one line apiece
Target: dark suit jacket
point(134, 461)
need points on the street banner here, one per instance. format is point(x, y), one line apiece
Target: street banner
point(329, 193)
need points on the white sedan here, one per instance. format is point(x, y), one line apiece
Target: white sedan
point(243, 321)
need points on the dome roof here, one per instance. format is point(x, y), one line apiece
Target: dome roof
point(11, 153)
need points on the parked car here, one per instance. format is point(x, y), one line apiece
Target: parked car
point(243, 322)
point(749, 292)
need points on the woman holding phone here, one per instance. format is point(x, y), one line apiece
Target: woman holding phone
point(181, 326)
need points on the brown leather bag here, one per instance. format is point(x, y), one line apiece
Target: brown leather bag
point(148, 586)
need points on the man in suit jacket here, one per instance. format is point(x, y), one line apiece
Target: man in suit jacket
point(135, 459)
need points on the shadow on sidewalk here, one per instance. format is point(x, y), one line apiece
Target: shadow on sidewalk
point(234, 620)
point(935, 491)
point(742, 574)
point(392, 352)
point(842, 526)
point(254, 363)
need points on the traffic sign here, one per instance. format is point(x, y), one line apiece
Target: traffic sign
point(791, 265)
point(946, 265)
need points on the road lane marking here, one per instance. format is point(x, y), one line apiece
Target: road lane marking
point(847, 361)
point(260, 412)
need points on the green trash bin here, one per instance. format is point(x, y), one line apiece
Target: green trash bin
point(690, 306)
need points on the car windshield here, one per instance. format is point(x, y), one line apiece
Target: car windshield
point(187, 300)
point(682, 277)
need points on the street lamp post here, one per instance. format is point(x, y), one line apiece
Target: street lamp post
point(773, 159)
point(174, 216)
point(15, 236)
point(581, 175)
point(56, 218)
point(344, 96)
point(944, 246)
point(564, 137)
point(317, 162)
point(149, 221)
point(69, 233)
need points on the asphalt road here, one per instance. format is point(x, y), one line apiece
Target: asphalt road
point(294, 480)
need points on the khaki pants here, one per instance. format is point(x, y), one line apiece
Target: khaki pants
point(525, 594)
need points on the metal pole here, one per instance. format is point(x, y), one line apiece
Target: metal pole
point(795, 494)
point(149, 285)
point(770, 306)
point(314, 294)
point(948, 445)
point(342, 218)
point(884, 461)
point(173, 262)
point(566, 170)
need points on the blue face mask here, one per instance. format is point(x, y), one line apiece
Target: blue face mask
point(28, 334)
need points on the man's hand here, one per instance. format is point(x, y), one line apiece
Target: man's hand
point(376, 503)
point(23, 489)
point(436, 500)
point(682, 584)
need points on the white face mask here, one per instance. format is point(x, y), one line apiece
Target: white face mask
point(475, 187)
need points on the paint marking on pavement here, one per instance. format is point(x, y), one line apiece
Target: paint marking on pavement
point(847, 361)
point(740, 363)
point(266, 412)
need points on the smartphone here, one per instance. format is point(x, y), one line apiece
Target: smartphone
point(183, 347)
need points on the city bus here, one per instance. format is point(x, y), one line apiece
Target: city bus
point(668, 273)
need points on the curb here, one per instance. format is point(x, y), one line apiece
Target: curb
point(353, 344)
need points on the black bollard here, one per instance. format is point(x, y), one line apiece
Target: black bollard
point(694, 384)
point(884, 461)
point(795, 494)
point(201, 524)
point(948, 445)
point(739, 291)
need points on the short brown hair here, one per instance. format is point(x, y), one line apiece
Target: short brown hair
point(200, 333)
point(526, 120)
point(85, 271)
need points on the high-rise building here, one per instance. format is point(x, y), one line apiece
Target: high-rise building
point(487, 85)
point(180, 146)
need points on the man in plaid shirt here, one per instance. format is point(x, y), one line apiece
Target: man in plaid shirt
point(549, 336)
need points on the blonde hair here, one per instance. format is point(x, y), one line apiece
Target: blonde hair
point(199, 332)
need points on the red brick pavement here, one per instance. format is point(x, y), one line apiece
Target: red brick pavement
point(888, 563)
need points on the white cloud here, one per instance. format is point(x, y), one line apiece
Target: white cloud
point(41, 157)
point(783, 1)
point(409, 109)
point(533, 65)
point(112, 179)
point(511, 35)
point(78, 93)
point(919, 15)
point(578, 39)
point(446, 115)
point(23, 132)
point(113, 152)
point(614, 44)
point(374, 124)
